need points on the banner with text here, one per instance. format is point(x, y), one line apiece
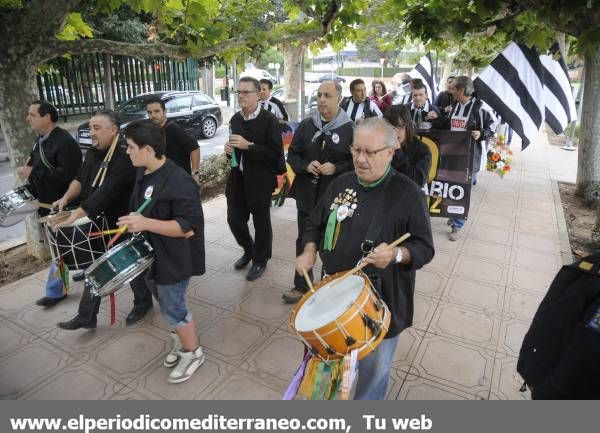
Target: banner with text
point(448, 187)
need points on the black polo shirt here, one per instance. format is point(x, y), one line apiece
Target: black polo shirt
point(175, 197)
point(179, 145)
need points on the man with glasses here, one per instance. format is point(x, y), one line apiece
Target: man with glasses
point(255, 151)
point(320, 151)
point(371, 207)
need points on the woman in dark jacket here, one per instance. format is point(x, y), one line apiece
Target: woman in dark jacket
point(412, 157)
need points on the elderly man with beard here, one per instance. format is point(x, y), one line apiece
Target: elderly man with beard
point(373, 206)
point(320, 151)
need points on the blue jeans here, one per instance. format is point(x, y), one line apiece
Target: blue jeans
point(374, 371)
point(171, 298)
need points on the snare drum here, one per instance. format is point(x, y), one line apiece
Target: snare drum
point(119, 265)
point(73, 243)
point(15, 205)
point(340, 316)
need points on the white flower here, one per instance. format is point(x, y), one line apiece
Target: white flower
point(499, 165)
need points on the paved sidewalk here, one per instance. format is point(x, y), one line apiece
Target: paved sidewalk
point(474, 303)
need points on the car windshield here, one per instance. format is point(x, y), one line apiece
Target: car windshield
point(133, 106)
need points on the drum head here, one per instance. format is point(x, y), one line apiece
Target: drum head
point(15, 206)
point(328, 303)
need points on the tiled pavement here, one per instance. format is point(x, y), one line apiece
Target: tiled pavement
point(474, 303)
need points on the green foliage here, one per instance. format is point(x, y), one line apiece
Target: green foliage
point(10, 4)
point(75, 28)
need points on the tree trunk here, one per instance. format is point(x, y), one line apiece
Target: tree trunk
point(292, 57)
point(588, 165)
point(17, 91)
point(447, 67)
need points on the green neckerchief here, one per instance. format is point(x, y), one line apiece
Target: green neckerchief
point(377, 182)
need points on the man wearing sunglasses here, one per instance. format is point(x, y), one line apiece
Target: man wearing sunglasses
point(255, 151)
point(371, 207)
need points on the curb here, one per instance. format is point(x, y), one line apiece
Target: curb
point(563, 233)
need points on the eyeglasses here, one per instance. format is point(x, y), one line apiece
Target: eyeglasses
point(245, 92)
point(369, 153)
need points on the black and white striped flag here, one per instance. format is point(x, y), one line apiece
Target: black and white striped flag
point(560, 105)
point(525, 89)
point(424, 71)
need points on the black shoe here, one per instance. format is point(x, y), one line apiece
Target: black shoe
point(79, 276)
point(292, 296)
point(49, 302)
point(243, 261)
point(136, 314)
point(256, 271)
point(76, 323)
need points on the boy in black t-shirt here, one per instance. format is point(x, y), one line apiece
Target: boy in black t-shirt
point(173, 223)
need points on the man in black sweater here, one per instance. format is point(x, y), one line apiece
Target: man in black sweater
point(103, 185)
point(54, 159)
point(255, 150)
point(182, 148)
point(371, 207)
point(320, 151)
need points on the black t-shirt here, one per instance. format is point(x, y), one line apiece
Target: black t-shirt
point(174, 198)
point(54, 163)
point(180, 145)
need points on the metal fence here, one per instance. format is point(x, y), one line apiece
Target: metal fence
point(79, 85)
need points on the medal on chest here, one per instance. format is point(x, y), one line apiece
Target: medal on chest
point(342, 208)
point(148, 192)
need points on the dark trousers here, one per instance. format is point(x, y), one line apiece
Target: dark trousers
point(299, 280)
point(238, 214)
point(89, 305)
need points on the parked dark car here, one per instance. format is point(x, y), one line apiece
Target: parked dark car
point(195, 111)
point(332, 77)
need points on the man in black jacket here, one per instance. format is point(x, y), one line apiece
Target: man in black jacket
point(560, 355)
point(255, 151)
point(104, 185)
point(320, 151)
point(271, 103)
point(54, 159)
point(424, 114)
point(359, 106)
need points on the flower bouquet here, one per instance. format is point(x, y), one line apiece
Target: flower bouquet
point(499, 157)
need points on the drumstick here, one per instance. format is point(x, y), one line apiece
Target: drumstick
point(362, 264)
point(123, 229)
point(307, 278)
point(42, 205)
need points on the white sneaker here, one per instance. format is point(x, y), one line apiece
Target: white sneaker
point(187, 365)
point(173, 356)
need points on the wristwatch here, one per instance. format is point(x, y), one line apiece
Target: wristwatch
point(399, 255)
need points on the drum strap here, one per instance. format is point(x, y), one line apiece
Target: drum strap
point(43, 156)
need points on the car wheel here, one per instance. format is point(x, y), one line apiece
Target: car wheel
point(209, 127)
